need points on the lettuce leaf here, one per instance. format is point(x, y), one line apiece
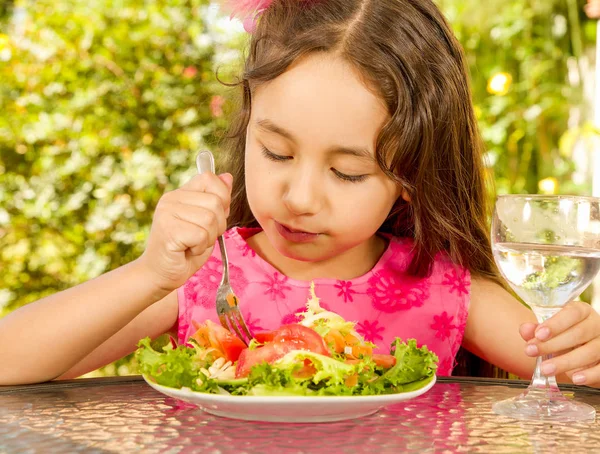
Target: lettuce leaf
point(321, 320)
point(278, 379)
point(329, 370)
point(183, 366)
point(414, 368)
point(175, 368)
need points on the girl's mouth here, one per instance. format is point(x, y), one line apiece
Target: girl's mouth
point(293, 235)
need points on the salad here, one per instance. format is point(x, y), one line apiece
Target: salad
point(321, 355)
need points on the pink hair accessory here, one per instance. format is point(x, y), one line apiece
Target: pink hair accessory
point(248, 11)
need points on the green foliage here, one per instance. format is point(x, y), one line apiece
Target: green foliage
point(534, 122)
point(102, 106)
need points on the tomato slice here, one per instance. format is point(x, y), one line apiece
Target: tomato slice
point(250, 358)
point(284, 340)
point(265, 336)
point(211, 335)
point(302, 337)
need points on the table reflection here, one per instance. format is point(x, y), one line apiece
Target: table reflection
point(123, 415)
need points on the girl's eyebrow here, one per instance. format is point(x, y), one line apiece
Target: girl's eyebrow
point(269, 126)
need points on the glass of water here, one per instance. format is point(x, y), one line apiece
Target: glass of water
point(548, 250)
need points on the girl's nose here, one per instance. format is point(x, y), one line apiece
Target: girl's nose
point(303, 195)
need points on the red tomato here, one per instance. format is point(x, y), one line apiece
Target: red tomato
point(284, 340)
point(265, 336)
point(303, 338)
point(268, 353)
point(209, 334)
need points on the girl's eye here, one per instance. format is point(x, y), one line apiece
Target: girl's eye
point(272, 156)
point(342, 176)
point(350, 178)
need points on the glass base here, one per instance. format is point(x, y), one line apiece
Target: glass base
point(544, 404)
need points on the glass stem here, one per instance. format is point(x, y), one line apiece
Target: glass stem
point(539, 380)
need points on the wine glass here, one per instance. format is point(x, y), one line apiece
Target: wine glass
point(548, 249)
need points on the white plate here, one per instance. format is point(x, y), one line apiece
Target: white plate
point(289, 408)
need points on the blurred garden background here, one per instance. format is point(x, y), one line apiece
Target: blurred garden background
point(103, 104)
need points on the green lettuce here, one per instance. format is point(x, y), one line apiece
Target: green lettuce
point(321, 320)
point(175, 367)
point(414, 368)
point(185, 366)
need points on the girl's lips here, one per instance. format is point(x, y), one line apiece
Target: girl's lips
point(295, 236)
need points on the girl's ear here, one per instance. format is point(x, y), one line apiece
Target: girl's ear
point(405, 195)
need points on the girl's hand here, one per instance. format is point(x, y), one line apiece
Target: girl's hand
point(185, 226)
point(573, 334)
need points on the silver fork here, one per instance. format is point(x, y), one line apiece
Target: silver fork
point(227, 303)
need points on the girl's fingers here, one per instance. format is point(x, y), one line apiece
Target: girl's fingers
point(209, 183)
point(578, 358)
point(577, 335)
point(570, 373)
point(571, 314)
point(589, 375)
point(193, 198)
point(214, 223)
point(201, 215)
point(189, 237)
point(527, 331)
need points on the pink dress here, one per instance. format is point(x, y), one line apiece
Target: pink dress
point(385, 302)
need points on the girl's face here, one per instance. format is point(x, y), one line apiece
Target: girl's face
point(311, 177)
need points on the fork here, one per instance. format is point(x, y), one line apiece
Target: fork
point(227, 303)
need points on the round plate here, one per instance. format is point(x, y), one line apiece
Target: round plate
point(292, 409)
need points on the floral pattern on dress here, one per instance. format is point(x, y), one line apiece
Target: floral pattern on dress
point(392, 293)
point(443, 326)
point(445, 366)
point(276, 286)
point(370, 330)
point(292, 317)
point(245, 249)
point(253, 324)
point(385, 304)
point(345, 290)
point(202, 286)
point(458, 280)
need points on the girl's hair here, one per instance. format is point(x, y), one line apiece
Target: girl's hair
point(409, 57)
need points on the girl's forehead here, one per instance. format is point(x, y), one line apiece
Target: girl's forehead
point(322, 97)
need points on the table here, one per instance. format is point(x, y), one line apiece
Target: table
point(123, 414)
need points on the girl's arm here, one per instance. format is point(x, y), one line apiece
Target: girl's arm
point(158, 319)
point(101, 320)
point(499, 328)
point(42, 340)
point(492, 331)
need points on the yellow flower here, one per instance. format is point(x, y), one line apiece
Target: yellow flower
point(548, 185)
point(499, 83)
point(4, 41)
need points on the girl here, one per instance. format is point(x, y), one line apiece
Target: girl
point(356, 163)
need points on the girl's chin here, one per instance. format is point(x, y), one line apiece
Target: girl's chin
point(298, 251)
point(295, 254)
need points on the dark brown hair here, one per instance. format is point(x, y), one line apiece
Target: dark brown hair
point(408, 55)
